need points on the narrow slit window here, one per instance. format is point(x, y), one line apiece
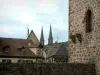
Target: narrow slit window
point(88, 21)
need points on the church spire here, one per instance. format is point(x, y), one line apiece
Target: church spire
point(50, 39)
point(27, 30)
point(42, 37)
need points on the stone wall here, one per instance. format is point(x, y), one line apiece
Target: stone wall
point(46, 69)
point(88, 50)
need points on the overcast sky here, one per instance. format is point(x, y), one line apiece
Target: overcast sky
point(16, 15)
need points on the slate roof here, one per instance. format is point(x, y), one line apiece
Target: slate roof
point(14, 45)
point(60, 50)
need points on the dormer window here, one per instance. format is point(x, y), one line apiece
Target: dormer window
point(6, 49)
point(22, 50)
point(88, 21)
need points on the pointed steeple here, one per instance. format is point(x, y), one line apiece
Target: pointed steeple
point(27, 32)
point(50, 39)
point(42, 37)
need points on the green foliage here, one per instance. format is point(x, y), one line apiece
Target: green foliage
point(47, 69)
point(65, 44)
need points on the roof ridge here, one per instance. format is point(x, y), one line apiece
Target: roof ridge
point(56, 51)
point(58, 48)
point(12, 38)
point(33, 34)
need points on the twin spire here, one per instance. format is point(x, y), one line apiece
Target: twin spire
point(50, 39)
point(42, 37)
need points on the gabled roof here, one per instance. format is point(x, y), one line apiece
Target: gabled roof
point(14, 46)
point(57, 51)
point(33, 37)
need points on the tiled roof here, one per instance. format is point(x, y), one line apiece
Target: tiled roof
point(57, 51)
point(15, 45)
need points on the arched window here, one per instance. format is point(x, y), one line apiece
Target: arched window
point(88, 21)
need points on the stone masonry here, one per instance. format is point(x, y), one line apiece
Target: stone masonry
point(84, 47)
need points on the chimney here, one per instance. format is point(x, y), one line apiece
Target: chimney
point(56, 44)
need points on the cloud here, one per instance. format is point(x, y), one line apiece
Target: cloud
point(25, 17)
point(3, 28)
point(15, 15)
point(13, 31)
point(46, 5)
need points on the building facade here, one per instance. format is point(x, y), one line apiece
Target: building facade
point(57, 54)
point(38, 46)
point(15, 50)
point(84, 32)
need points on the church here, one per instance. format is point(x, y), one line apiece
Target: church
point(16, 50)
point(55, 52)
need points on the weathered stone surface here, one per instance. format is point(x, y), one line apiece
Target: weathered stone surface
point(89, 50)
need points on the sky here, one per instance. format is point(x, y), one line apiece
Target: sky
point(18, 15)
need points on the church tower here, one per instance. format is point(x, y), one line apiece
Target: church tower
point(50, 39)
point(42, 37)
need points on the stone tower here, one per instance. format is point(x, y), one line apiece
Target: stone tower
point(42, 37)
point(84, 32)
point(50, 39)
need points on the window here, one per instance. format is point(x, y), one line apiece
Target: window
point(22, 50)
point(38, 52)
point(19, 61)
point(25, 61)
point(88, 21)
point(6, 49)
point(6, 61)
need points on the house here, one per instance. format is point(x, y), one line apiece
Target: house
point(21, 50)
point(58, 53)
point(38, 49)
point(17, 50)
